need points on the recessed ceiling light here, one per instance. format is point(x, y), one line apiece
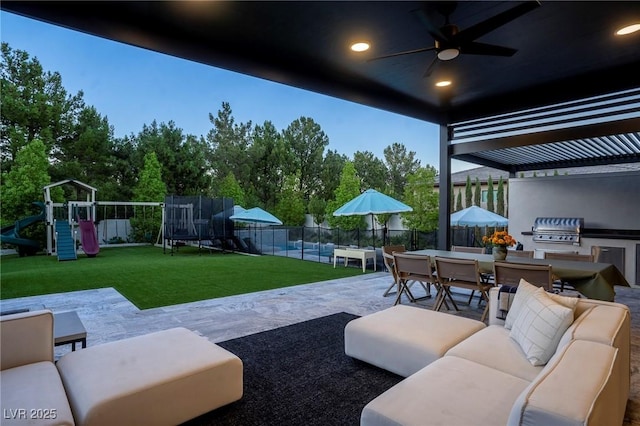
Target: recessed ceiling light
point(443, 83)
point(360, 46)
point(629, 29)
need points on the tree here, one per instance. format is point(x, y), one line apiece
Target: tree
point(490, 202)
point(34, 106)
point(459, 201)
point(421, 196)
point(371, 170)
point(228, 143)
point(306, 142)
point(149, 188)
point(468, 193)
point(318, 208)
point(400, 164)
point(477, 193)
point(290, 207)
point(269, 160)
point(332, 166)
point(88, 154)
point(230, 188)
point(348, 189)
point(22, 185)
point(500, 195)
point(182, 158)
point(452, 198)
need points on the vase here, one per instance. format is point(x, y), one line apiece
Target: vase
point(499, 253)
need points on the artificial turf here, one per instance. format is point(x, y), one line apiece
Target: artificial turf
point(150, 278)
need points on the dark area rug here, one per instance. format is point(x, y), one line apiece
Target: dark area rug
point(300, 375)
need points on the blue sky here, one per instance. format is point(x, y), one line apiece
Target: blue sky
point(133, 86)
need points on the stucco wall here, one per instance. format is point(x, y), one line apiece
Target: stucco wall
point(605, 201)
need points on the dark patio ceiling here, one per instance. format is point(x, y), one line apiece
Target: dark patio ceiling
point(567, 51)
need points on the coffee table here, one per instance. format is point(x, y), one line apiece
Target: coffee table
point(67, 328)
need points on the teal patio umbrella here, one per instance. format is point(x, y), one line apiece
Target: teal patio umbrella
point(477, 216)
point(372, 202)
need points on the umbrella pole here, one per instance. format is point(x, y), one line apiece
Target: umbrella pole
point(373, 232)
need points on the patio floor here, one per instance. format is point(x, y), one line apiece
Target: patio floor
point(108, 316)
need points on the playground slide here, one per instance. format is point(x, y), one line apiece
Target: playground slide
point(89, 238)
point(11, 234)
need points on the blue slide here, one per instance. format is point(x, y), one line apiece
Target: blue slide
point(11, 234)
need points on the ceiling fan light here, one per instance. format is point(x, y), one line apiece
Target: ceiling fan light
point(629, 29)
point(443, 83)
point(448, 54)
point(360, 46)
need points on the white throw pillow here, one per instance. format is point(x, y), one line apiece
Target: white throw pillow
point(539, 326)
point(523, 292)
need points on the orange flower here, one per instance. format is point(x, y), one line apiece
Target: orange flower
point(499, 238)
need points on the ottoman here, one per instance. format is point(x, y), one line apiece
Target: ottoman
point(162, 378)
point(404, 339)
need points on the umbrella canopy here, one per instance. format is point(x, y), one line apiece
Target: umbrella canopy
point(256, 215)
point(477, 216)
point(372, 202)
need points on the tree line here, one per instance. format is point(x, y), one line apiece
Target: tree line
point(49, 135)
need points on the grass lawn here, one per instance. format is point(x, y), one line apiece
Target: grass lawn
point(150, 278)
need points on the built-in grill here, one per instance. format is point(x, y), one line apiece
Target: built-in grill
point(565, 230)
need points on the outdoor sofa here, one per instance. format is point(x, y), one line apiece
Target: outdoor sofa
point(161, 378)
point(576, 373)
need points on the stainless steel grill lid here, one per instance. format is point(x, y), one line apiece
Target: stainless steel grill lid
point(558, 229)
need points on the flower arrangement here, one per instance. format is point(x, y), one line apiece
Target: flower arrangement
point(499, 239)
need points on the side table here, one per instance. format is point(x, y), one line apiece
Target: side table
point(67, 328)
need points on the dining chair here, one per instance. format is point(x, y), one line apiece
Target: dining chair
point(478, 250)
point(520, 253)
point(387, 258)
point(510, 273)
point(567, 256)
point(463, 249)
point(461, 273)
point(413, 268)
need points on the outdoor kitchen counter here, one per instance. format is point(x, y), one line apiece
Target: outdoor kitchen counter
point(593, 280)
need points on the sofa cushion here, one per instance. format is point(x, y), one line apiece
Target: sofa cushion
point(161, 378)
point(578, 386)
point(494, 348)
point(450, 391)
point(540, 325)
point(33, 394)
point(524, 291)
point(403, 339)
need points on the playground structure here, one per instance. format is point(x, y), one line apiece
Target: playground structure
point(202, 219)
point(11, 234)
point(89, 224)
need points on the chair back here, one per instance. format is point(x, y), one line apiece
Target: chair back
point(387, 257)
point(520, 253)
point(413, 267)
point(479, 250)
point(508, 273)
point(458, 272)
point(569, 256)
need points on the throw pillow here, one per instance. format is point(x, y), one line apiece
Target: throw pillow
point(524, 291)
point(539, 327)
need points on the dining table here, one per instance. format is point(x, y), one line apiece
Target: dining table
point(594, 280)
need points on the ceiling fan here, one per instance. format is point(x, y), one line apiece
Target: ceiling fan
point(450, 41)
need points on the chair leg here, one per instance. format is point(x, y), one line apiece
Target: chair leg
point(391, 287)
point(471, 297)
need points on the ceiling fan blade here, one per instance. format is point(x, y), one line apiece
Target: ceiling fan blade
point(430, 68)
point(406, 52)
point(488, 25)
point(432, 29)
point(475, 48)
